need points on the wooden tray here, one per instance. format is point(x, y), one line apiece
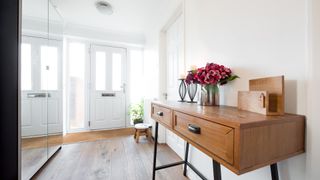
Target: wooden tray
point(265, 96)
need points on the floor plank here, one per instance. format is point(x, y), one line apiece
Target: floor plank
point(111, 158)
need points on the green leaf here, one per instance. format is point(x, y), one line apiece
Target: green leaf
point(233, 77)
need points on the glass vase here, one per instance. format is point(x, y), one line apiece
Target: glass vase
point(192, 92)
point(209, 95)
point(182, 90)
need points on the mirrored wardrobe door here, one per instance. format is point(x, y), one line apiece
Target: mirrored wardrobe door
point(54, 79)
point(34, 96)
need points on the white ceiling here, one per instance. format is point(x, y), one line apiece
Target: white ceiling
point(132, 19)
point(130, 16)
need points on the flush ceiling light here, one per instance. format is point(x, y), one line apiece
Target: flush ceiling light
point(104, 7)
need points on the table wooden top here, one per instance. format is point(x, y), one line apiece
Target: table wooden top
point(228, 115)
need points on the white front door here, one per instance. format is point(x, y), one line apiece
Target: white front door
point(41, 86)
point(107, 89)
point(175, 67)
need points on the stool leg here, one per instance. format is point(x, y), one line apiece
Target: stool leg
point(138, 136)
point(135, 134)
point(149, 135)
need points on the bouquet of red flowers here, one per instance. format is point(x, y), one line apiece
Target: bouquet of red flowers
point(211, 74)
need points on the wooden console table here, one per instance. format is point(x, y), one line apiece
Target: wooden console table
point(241, 141)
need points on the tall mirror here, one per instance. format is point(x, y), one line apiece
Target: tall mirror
point(41, 96)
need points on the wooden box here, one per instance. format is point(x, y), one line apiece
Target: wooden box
point(265, 96)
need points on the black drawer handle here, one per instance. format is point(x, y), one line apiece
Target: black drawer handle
point(108, 94)
point(193, 128)
point(160, 113)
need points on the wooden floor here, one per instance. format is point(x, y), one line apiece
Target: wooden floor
point(116, 157)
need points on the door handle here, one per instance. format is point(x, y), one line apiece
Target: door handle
point(160, 113)
point(194, 129)
point(123, 88)
point(38, 95)
point(108, 94)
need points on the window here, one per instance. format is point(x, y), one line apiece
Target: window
point(116, 72)
point(100, 71)
point(26, 75)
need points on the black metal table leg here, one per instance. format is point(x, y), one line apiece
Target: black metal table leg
point(216, 170)
point(274, 171)
point(186, 160)
point(155, 152)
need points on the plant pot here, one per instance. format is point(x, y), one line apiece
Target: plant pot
point(209, 95)
point(137, 121)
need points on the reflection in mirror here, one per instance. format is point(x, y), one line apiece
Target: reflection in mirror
point(41, 95)
point(34, 100)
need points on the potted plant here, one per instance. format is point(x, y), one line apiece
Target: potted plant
point(136, 112)
point(209, 77)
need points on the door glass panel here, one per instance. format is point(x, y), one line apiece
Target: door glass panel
point(76, 85)
point(116, 72)
point(49, 68)
point(100, 71)
point(26, 67)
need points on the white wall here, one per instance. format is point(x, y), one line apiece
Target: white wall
point(256, 38)
point(103, 34)
point(313, 123)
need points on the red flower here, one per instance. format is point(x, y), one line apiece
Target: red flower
point(211, 74)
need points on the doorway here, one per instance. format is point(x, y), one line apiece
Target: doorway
point(107, 87)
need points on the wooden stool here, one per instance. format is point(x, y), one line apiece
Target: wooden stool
point(142, 129)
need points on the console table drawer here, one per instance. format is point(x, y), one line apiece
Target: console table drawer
point(161, 114)
point(216, 138)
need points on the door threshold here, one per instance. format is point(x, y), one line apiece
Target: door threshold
point(94, 135)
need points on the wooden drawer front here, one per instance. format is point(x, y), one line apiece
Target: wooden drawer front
point(214, 137)
point(161, 114)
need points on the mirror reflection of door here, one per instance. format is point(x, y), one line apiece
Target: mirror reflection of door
point(108, 75)
point(33, 108)
point(41, 98)
point(40, 84)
